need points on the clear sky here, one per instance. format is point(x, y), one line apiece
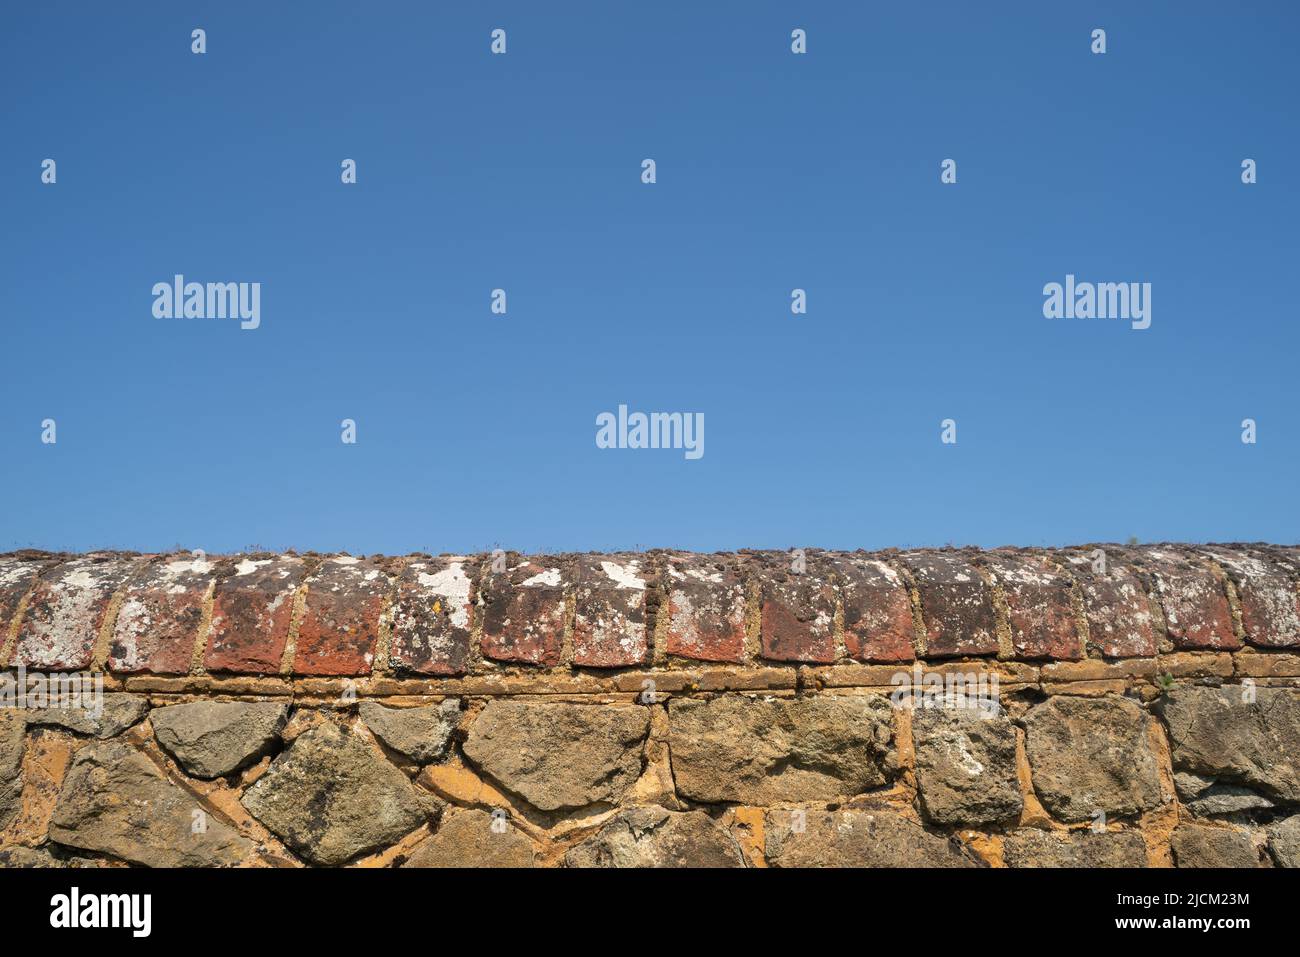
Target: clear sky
point(522, 171)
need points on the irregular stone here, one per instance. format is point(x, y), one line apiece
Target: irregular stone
point(1194, 600)
point(468, 839)
point(1085, 848)
point(422, 734)
point(1206, 798)
point(559, 755)
point(1089, 755)
point(331, 797)
point(210, 739)
point(433, 615)
point(706, 608)
point(1198, 845)
point(858, 837)
point(1270, 607)
point(1040, 613)
point(17, 575)
point(28, 857)
point(1221, 733)
point(764, 751)
point(160, 616)
point(609, 621)
point(797, 610)
point(12, 745)
point(966, 766)
point(956, 605)
point(340, 620)
point(65, 612)
point(1284, 841)
point(878, 624)
point(117, 713)
point(523, 614)
point(115, 801)
point(1120, 623)
point(656, 837)
point(252, 606)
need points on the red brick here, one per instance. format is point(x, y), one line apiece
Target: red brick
point(1194, 600)
point(433, 616)
point(1040, 613)
point(67, 609)
point(17, 575)
point(340, 622)
point(956, 604)
point(159, 620)
point(797, 610)
point(251, 611)
point(1120, 623)
point(878, 623)
point(1270, 609)
point(706, 608)
point(609, 613)
point(523, 614)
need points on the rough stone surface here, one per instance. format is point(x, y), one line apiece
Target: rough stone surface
point(878, 624)
point(468, 839)
point(858, 837)
point(115, 801)
point(340, 621)
point(797, 609)
point(1040, 612)
point(331, 796)
point(1284, 841)
point(158, 622)
point(956, 605)
point(1089, 755)
point(1197, 845)
point(559, 755)
point(433, 616)
point(210, 739)
point(966, 766)
point(1115, 604)
point(251, 610)
point(1205, 797)
point(761, 751)
point(118, 712)
point(66, 610)
point(609, 622)
point(523, 614)
point(1221, 733)
point(1194, 600)
point(655, 837)
point(1270, 606)
point(17, 575)
point(706, 608)
point(1082, 848)
point(422, 734)
point(12, 743)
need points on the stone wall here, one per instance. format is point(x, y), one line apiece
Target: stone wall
point(1098, 706)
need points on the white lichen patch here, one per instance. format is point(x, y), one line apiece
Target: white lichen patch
point(624, 576)
point(248, 566)
point(547, 579)
point(451, 585)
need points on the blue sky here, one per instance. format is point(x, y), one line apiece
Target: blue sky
point(775, 171)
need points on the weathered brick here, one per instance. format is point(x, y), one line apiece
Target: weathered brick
point(1270, 607)
point(160, 617)
point(433, 616)
point(66, 610)
point(609, 618)
point(1120, 623)
point(706, 608)
point(797, 609)
point(340, 623)
point(17, 575)
point(956, 605)
point(878, 623)
point(1195, 602)
point(1040, 613)
point(251, 611)
point(523, 614)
